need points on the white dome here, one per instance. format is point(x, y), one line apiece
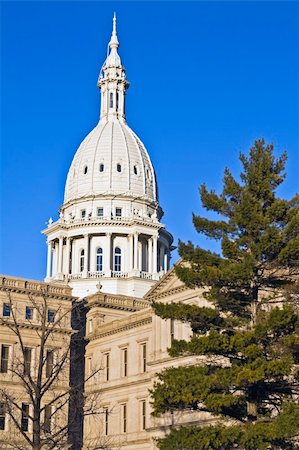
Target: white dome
point(109, 226)
point(111, 160)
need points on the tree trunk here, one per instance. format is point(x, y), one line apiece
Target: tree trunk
point(254, 303)
point(252, 409)
point(36, 431)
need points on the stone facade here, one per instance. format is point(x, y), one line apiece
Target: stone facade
point(110, 250)
point(28, 310)
point(130, 344)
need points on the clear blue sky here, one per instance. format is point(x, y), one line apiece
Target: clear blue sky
point(207, 78)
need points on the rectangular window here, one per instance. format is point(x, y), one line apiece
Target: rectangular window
point(83, 213)
point(29, 313)
point(171, 330)
point(89, 366)
point(100, 212)
point(143, 357)
point(27, 360)
point(6, 310)
point(48, 417)
point(143, 414)
point(51, 316)
point(107, 366)
point(2, 416)
point(117, 259)
point(25, 417)
point(118, 212)
point(106, 421)
point(124, 362)
point(4, 358)
point(124, 418)
point(49, 363)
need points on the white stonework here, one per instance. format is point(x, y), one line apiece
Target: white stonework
point(109, 228)
point(115, 325)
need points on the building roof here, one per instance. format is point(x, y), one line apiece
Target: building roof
point(111, 159)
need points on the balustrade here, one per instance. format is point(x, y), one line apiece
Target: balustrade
point(115, 274)
point(96, 274)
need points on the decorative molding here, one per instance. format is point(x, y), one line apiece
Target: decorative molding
point(167, 293)
point(83, 223)
point(120, 328)
point(31, 326)
point(117, 302)
point(24, 286)
point(111, 384)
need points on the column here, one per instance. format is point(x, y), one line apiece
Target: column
point(54, 259)
point(74, 257)
point(165, 259)
point(107, 256)
point(161, 254)
point(155, 253)
point(60, 250)
point(49, 259)
point(130, 268)
point(140, 256)
point(67, 251)
point(150, 255)
point(88, 252)
point(136, 251)
point(85, 246)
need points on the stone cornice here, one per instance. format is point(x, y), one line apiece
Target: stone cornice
point(117, 302)
point(167, 293)
point(162, 282)
point(126, 382)
point(35, 327)
point(22, 285)
point(118, 326)
point(111, 196)
point(114, 222)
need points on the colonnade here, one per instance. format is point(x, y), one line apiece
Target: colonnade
point(141, 255)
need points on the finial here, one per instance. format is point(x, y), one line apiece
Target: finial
point(114, 23)
point(114, 41)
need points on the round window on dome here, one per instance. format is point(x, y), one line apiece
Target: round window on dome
point(118, 167)
point(135, 168)
point(85, 170)
point(101, 168)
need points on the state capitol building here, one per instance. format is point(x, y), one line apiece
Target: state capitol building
point(110, 250)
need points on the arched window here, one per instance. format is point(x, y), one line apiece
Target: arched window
point(101, 168)
point(85, 170)
point(118, 167)
point(99, 260)
point(117, 101)
point(117, 259)
point(81, 260)
point(111, 100)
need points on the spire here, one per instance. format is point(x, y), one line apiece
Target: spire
point(114, 41)
point(112, 81)
point(113, 58)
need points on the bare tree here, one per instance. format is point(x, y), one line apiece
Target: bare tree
point(36, 390)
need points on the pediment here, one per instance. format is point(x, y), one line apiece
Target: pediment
point(168, 283)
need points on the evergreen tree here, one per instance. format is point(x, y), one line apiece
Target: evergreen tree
point(252, 326)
